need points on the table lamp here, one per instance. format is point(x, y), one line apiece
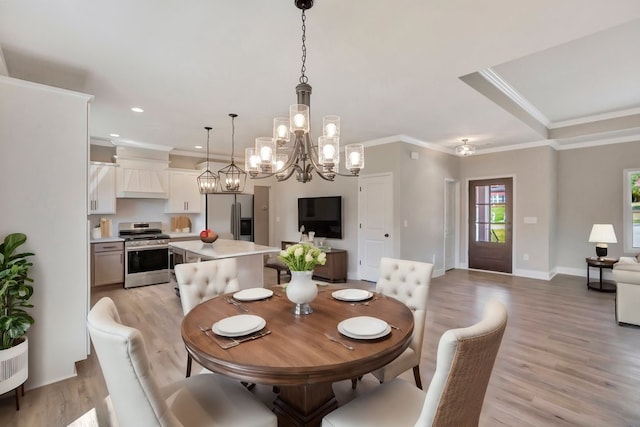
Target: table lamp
point(601, 234)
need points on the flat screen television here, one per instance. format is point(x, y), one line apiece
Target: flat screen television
point(323, 215)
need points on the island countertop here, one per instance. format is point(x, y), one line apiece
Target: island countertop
point(223, 248)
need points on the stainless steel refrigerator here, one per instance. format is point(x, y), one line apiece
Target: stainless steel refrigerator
point(231, 215)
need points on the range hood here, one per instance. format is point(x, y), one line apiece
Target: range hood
point(142, 173)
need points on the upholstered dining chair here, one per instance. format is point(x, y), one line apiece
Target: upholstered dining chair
point(408, 282)
point(463, 368)
point(200, 281)
point(137, 400)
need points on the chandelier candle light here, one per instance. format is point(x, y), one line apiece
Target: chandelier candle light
point(275, 156)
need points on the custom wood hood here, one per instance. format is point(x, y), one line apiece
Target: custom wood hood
point(140, 177)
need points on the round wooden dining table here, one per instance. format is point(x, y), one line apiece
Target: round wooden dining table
point(296, 355)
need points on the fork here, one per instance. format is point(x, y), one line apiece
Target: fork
point(353, 304)
point(334, 339)
point(237, 304)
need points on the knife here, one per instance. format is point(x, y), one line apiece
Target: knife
point(241, 340)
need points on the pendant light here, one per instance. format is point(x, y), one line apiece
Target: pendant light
point(207, 181)
point(275, 156)
point(232, 178)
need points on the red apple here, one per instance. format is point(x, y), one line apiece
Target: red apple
point(210, 233)
point(205, 233)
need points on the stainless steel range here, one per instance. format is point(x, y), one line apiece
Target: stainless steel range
point(146, 253)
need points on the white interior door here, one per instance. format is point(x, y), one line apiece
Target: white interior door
point(375, 237)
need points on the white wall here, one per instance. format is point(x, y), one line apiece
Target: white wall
point(43, 170)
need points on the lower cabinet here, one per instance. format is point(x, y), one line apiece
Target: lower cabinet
point(107, 263)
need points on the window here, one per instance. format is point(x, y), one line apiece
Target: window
point(631, 211)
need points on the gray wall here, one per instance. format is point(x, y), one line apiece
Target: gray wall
point(533, 171)
point(590, 191)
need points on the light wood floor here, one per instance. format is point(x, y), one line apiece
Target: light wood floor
point(563, 360)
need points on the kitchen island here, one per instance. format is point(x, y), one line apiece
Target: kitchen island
point(250, 257)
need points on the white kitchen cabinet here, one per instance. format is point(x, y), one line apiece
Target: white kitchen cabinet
point(184, 196)
point(102, 188)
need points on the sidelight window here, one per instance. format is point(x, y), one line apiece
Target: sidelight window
point(631, 211)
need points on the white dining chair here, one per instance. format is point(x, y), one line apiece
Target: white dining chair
point(408, 282)
point(454, 399)
point(200, 281)
point(201, 400)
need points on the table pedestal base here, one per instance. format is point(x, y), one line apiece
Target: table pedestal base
point(304, 405)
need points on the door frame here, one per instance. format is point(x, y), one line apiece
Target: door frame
point(514, 198)
point(456, 224)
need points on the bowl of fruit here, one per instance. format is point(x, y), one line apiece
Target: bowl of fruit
point(208, 236)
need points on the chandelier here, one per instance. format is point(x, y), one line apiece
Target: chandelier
point(207, 181)
point(232, 178)
point(277, 156)
point(465, 149)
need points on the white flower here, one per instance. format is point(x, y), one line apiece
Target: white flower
point(321, 257)
point(298, 252)
point(308, 257)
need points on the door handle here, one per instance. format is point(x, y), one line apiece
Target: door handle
point(386, 234)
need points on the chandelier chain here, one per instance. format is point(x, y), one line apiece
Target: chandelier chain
point(233, 136)
point(303, 77)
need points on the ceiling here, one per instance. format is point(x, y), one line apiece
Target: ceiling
point(502, 74)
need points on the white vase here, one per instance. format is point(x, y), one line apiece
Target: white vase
point(301, 290)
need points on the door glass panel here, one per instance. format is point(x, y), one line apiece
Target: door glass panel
point(490, 214)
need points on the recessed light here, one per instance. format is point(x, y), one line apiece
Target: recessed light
point(137, 110)
point(198, 146)
point(115, 135)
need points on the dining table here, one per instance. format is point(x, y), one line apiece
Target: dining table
point(303, 355)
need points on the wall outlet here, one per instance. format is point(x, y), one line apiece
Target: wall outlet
point(525, 257)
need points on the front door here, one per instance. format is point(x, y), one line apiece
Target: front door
point(490, 224)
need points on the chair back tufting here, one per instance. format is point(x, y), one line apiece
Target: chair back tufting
point(201, 281)
point(408, 282)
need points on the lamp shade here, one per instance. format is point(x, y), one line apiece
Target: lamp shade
point(602, 233)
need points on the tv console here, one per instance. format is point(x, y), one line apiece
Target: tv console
point(334, 270)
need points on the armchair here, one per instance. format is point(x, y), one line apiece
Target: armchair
point(626, 274)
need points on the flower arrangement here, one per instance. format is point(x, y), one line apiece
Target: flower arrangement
point(302, 257)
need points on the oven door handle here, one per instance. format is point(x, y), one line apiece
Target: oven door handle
point(145, 248)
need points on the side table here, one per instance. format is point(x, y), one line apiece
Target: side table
point(600, 263)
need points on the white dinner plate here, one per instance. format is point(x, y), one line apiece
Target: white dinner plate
point(253, 294)
point(364, 327)
point(352, 294)
point(235, 326)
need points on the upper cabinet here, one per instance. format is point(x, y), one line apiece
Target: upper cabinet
point(142, 179)
point(184, 196)
point(102, 188)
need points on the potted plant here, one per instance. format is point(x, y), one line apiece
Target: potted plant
point(15, 292)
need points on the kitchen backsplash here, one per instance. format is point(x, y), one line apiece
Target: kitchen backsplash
point(132, 210)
